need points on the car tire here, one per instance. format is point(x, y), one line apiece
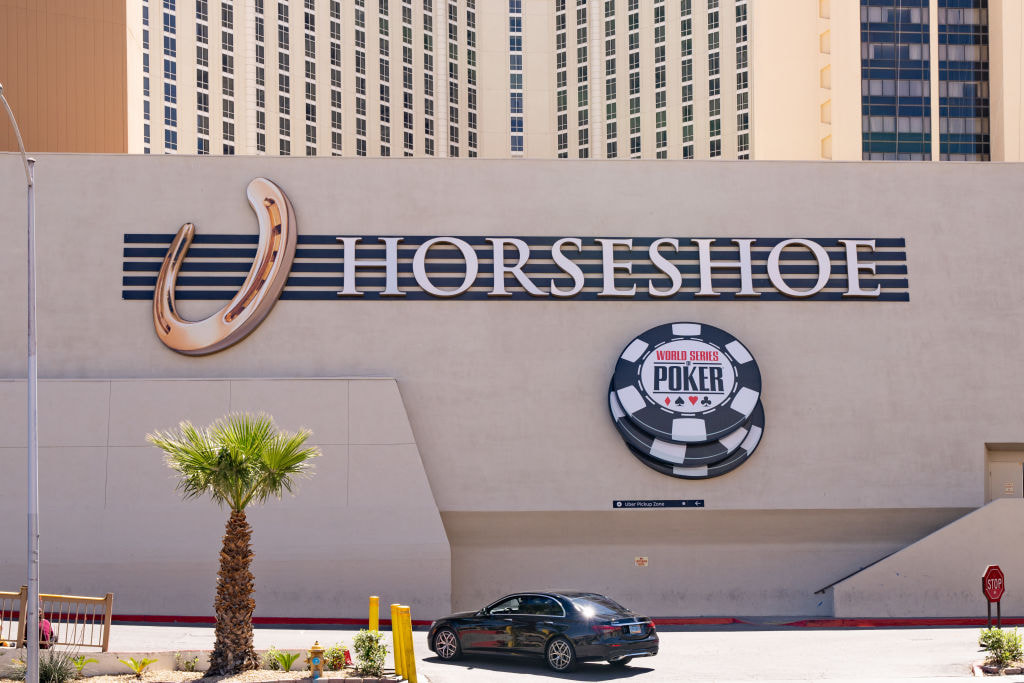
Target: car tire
point(560, 655)
point(446, 645)
point(620, 663)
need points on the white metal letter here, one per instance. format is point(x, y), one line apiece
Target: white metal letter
point(609, 265)
point(517, 270)
point(563, 262)
point(389, 264)
point(743, 265)
point(419, 270)
point(854, 268)
point(775, 274)
point(665, 266)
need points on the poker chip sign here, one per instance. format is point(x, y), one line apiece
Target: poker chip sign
point(686, 399)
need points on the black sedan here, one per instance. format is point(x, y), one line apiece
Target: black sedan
point(564, 627)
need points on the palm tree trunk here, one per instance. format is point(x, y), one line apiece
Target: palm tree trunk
point(233, 649)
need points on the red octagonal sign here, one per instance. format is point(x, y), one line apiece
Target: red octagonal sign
point(993, 583)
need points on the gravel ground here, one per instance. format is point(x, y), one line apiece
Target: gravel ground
point(182, 676)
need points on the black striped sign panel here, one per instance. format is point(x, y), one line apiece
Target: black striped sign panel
point(216, 266)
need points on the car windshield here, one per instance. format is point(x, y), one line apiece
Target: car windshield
point(599, 606)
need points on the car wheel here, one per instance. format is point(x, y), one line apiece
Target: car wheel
point(560, 655)
point(446, 645)
point(619, 663)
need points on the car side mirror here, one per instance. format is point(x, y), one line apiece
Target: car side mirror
point(482, 612)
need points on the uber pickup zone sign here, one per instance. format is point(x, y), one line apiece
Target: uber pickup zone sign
point(328, 267)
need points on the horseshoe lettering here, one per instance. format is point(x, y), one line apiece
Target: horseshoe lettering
point(258, 294)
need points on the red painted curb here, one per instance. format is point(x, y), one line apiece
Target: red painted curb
point(659, 621)
point(838, 623)
point(257, 621)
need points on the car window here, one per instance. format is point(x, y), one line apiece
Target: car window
point(510, 606)
point(598, 605)
point(538, 604)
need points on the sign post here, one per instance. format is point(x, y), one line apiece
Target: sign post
point(993, 585)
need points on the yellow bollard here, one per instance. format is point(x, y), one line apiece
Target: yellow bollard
point(396, 641)
point(410, 655)
point(374, 613)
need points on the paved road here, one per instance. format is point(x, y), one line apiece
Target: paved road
point(732, 653)
point(747, 654)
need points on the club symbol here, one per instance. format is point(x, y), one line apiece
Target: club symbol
point(705, 401)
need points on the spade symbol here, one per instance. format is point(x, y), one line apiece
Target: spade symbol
point(680, 401)
point(705, 401)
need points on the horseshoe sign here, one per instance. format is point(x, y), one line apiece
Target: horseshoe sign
point(258, 294)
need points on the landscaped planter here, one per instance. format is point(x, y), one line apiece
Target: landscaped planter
point(107, 669)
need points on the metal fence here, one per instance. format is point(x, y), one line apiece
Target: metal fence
point(12, 606)
point(77, 621)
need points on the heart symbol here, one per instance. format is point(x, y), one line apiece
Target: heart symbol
point(693, 400)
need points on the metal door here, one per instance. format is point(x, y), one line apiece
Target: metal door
point(1005, 480)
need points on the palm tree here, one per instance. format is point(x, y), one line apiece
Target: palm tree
point(237, 460)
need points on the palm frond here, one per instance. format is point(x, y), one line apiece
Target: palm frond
point(238, 459)
point(286, 460)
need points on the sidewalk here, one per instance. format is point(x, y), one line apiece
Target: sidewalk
point(722, 653)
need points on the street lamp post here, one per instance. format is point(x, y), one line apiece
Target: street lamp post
point(32, 625)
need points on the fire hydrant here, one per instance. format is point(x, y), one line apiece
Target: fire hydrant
point(316, 660)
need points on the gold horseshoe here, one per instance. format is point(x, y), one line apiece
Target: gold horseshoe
point(258, 294)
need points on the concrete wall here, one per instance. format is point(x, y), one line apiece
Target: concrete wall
point(870, 406)
point(364, 524)
point(940, 575)
point(704, 563)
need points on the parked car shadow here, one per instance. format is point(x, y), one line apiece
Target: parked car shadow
point(528, 666)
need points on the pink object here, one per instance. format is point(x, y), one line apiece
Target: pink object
point(46, 638)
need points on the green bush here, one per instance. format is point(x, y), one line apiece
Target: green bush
point(182, 664)
point(334, 657)
point(138, 666)
point(55, 666)
point(80, 663)
point(286, 659)
point(370, 652)
point(269, 659)
point(1003, 647)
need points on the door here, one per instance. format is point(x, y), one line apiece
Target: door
point(535, 623)
point(493, 630)
point(1005, 479)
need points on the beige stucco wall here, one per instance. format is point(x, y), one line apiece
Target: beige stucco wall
point(365, 522)
point(940, 575)
point(870, 406)
point(1006, 59)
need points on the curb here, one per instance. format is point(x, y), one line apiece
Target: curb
point(256, 621)
point(824, 622)
point(887, 622)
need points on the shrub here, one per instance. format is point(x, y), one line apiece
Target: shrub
point(182, 664)
point(56, 666)
point(269, 659)
point(79, 663)
point(138, 666)
point(286, 659)
point(370, 652)
point(334, 657)
point(1002, 646)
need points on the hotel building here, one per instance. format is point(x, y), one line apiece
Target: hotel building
point(598, 79)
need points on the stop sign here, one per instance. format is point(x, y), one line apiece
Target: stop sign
point(993, 583)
